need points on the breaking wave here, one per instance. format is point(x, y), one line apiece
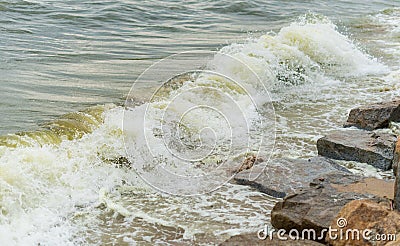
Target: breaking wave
point(59, 183)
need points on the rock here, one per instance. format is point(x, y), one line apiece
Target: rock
point(377, 187)
point(248, 163)
point(376, 149)
point(252, 239)
point(396, 157)
point(361, 215)
point(315, 207)
point(120, 162)
point(374, 116)
point(396, 242)
point(280, 177)
point(396, 169)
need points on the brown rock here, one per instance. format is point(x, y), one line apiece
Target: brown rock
point(315, 207)
point(252, 240)
point(361, 215)
point(374, 116)
point(378, 187)
point(247, 163)
point(376, 149)
point(396, 242)
point(396, 169)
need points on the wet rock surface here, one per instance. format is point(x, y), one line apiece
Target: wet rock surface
point(376, 149)
point(318, 191)
point(396, 171)
point(396, 157)
point(364, 215)
point(252, 239)
point(368, 185)
point(280, 177)
point(374, 116)
point(315, 207)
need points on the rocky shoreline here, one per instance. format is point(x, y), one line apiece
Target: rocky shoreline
point(318, 193)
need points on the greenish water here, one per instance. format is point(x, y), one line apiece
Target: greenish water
point(66, 68)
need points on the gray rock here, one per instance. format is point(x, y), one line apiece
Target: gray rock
point(280, 177)
point(317, 206)
point(376, 149)
point(374, 116)
point(397, 190)
point(396, 157)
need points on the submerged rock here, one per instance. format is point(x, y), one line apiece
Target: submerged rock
point(316, 207)
point(374, 116)
point(376, 149)
point(280, 177)
point(252, 239)
point(362, 215)
point(119, 162)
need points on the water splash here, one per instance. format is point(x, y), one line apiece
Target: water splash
point(70, 183)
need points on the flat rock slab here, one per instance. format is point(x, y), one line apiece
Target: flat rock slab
point(377, 187)
point(316, 207)
point(252, 239)
point(376, 149)
point(280, 177)
point(374, 116)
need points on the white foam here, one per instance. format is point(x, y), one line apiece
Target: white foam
point(303, 52)
point(50, 194)
point(43, 186)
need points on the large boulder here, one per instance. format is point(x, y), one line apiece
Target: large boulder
point(374, 116)
point(376, 149)
point(252, 239)
point(315, 207)
point(280, 177)
point(357, 217)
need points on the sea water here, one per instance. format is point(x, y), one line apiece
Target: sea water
point(67, 67)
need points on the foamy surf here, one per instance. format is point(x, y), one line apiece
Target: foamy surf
point(57, 193)
point(65, 186)
point(304, 52)
point(45, 187)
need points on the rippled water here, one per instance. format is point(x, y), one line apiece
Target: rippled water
point(60, 56)
point(66, 178)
